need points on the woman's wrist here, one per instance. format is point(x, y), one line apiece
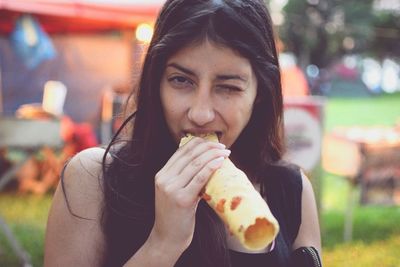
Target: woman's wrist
point(155, 241)
point(156, 252)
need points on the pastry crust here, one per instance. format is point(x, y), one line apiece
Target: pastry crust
point(233, 197)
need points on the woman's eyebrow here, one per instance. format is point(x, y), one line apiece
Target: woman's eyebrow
point(220, 77)
point(225, 77)
point(181, 68)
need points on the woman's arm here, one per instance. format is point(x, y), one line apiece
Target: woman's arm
point(177, 194)
point(74, 241)
point(70, 240)
point(309, 232)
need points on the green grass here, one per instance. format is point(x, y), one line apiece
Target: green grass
point(371, 224)
point(27, 216)
point(376, 235)
point(383, 253)
point(379, 110)
point(376, 230)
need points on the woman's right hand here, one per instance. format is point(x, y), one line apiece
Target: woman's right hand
point(178, 186)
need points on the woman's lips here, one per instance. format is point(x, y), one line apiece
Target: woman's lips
point(201, 133)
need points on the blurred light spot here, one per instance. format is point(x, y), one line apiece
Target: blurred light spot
point(330, 28)
point(312, 71)
point(282, 3)
point(277, 18)
point(390, 79)
point(313, 2)
point(348, 43)
point(144, 32)
point(350, 62)
point(372, 74)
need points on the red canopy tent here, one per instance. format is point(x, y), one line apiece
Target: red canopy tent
point(62, 19)
point(79, 15)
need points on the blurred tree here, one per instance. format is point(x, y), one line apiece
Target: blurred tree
point(318, 31)
point(386, 40)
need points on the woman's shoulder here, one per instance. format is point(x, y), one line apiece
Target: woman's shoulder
point(81, 179)
point(284, 172)
point(87, 162)
point(74, 222)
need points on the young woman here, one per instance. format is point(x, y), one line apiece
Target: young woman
point(211, 67)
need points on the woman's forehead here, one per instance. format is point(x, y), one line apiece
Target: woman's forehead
point(210, 55)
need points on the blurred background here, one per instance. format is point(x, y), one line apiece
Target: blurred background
point(66, 68)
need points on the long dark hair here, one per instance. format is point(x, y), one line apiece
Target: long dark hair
point(128, 215)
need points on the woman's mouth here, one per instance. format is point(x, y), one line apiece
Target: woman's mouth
point(201, 133)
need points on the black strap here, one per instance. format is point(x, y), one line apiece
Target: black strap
point(305, 257)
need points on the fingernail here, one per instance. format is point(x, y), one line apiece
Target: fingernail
point(221, 145)
point(226, 152)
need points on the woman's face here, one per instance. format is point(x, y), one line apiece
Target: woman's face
point(208, 89)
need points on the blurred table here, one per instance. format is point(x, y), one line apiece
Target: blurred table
point(368, 157)
point(26, 136)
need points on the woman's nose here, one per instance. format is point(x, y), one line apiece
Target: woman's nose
point(201, 110)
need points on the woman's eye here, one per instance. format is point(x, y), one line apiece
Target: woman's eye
point(180, 81)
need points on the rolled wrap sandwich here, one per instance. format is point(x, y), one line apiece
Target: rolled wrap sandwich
point(233, 197)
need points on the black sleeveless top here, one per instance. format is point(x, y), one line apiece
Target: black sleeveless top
point(283, 189)
point(281, 184)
